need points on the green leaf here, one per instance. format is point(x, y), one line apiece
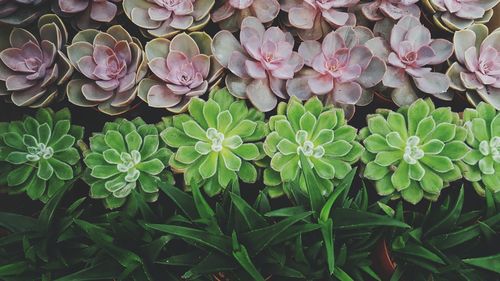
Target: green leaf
point(327, 208)
point(115, 140)
point(183, 201)
point(355, 219)
point(240, 253)
point(328, 238)
point(16, 223)
point(449, 221)
point(252, 218)
point(316, 199)
point(258, 239)
point(214, 241)
point(341, 275)
point(13, 269)
point(491, 263)
point(102, 271)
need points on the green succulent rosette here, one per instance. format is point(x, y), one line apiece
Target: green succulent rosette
point(38, 155)
point(482, 163)
point(415, 152)
point(318, 132)
point(127, 159)
point(217, 142)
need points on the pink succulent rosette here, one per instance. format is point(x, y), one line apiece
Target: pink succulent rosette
point(88, 13)
point(183, 68)
point(410, 54)
point(166, 18)
point(393, 9)
point(33, 68)
point(21, 12)
point(259, 66)
point(341, 69)
point(230, 13)
point(453, 15)
point(111, 64)
point(313, 19)
point(477, 69)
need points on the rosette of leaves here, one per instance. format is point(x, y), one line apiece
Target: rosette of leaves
point(217, 142)
point(341, 69)
point(41, 153)
point(34, 69)
point(314, 133)
point(183, 68)
point(88, 13)
point(477, 69)
point(411, 54)
point(376, 10)
point(166, 18)
point(126, 160)
point(230, 14)
point(413, 153)
point(447, 242)
point(483, 161)
point(453, 15)
point(110, 66)
point(21, 12)
point(260, 65)
point(313, 19)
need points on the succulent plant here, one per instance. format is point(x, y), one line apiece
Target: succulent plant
point(217, 142)
point(410, 53)
point(482, 163)
point(127, 159)
point(41, 153)
point(477, 69)
point(166, 18)
point(20, 12)
point(260, 65)
point(183, 68)
point(341, 69)
point(88, 13)
point(230, 14)
point(110, 65)
point(319, 133)
point(34, 68)
point(413, 153)
point(376, 10)
point(313, 19)
point(453, 15)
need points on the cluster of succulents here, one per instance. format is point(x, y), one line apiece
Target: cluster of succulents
point(183, 68)
point(126, 158)
point(415, 152)
point(477, 69)
point(377, 10)
point(317, 132)
point(230, 14)
point(40, 152)
point(34, 69)
point(217, 142)
point(482, 163)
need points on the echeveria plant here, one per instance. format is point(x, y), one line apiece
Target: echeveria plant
point(20, 12)
point(482, 163)
point(41, 153)
point(376, 10)
point(452, 15)
point(318, 132)
point(216, 143)
point(410, 54)
point(127, 159)
point(166, 18)
point(477, 69)
point(260, 65)
point(88, 13)
point(110, 66)
point(341, 69)
point(413, 153)
point(34, 69)
point(183, 68)
point(313, 19)
point(230, 13)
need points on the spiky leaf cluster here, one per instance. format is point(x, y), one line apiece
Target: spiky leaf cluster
point(318, 132)
point(414, 152)
point(39, 153)
point(127, 159)
point(217, 142)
